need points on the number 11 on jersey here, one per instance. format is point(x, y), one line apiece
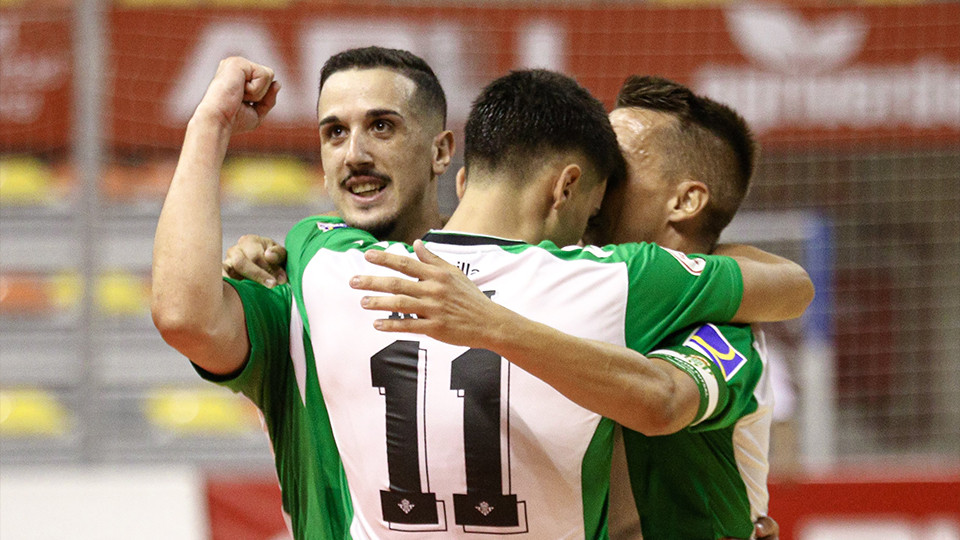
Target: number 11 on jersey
point(487, 506)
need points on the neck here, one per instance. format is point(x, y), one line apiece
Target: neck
point(415, 226)
point(676, 239)
point(495, 211)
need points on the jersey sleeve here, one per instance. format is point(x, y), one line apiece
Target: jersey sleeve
point(669, 291)
point(267, 315)
point(725, 365)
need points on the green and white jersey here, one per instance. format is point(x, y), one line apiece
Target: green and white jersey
point(446, 441)
point(707, 481)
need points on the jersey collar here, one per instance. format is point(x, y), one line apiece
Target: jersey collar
point(467, 239)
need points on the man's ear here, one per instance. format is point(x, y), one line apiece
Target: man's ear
point(443, 149)
point(689, 200)
point(564, 184)
point(461, 182)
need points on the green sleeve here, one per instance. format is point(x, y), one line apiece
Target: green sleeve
point(267, 315)
point(725, 364)
point(669, 291)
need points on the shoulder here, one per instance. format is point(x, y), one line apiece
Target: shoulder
point(326, 231)
point(610, 254)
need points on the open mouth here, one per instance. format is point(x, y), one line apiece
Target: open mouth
point(365, 185)
point(366, 189)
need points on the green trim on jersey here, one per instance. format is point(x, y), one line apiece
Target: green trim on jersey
point(688, 485)
point(596, 501)
point(305, 453)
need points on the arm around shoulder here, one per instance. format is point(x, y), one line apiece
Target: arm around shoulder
point(774, 288)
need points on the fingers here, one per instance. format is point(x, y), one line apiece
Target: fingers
point(397, 303)
point(400, 263)
point(258, 82)
point(391, 285)
point(247, 269)
point(410, 326)
point(268, 100)
point(766, 528)
point(425, 255)
point(256, 258)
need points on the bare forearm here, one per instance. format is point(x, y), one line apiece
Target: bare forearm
point(638, 392)
point(188, 292)
point(774, 288)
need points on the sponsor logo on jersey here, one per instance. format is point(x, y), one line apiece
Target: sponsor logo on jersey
point(708, 340)
point(484, 508)
point(327, 227)
point(467, 268)
point(694, 266)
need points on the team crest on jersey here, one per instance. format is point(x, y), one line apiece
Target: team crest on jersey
point(694, 266)
point(708, 340)
point(327, 227)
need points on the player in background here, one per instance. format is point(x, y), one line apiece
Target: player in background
point(690, 160)
point(689, 164)
point(207, 320)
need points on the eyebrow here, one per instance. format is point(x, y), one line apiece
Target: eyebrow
point(372, 113)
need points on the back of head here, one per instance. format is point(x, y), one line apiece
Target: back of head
point(528, 115)
point(429, 94)
point(709, 142)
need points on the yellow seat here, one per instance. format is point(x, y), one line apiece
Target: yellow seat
point(273, 180)
point(31, 412)
point(65, 289)
point(25, 180)
point(199, 411)
point(122, 294)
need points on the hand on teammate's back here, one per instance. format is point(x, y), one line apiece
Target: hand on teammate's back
point(447, 305)
point(256, 258)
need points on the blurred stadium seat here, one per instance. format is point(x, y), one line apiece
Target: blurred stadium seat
point(120, 293)
point(35, 294)
point(268, 180)
point(137, 180)
point(24, 181)
point(188, 411)
point(31, 412)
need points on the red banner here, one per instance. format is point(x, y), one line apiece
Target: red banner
point(36, 70)
point(821, 76)
point(809, 76)
point(245, 508)
point(901, 509)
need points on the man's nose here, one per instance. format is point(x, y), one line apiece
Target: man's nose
point(357, 153)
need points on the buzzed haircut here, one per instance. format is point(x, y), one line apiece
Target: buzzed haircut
point(709, 142)
point(528, 114)
point(429, 95)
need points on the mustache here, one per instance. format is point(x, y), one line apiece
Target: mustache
point(368, 172)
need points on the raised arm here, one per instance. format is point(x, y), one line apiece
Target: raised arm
point(645, 394)
point(194, 310)
point(774, 288)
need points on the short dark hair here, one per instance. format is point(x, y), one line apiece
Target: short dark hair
point(519, 116)
point(710, 142)
point(429, 94)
